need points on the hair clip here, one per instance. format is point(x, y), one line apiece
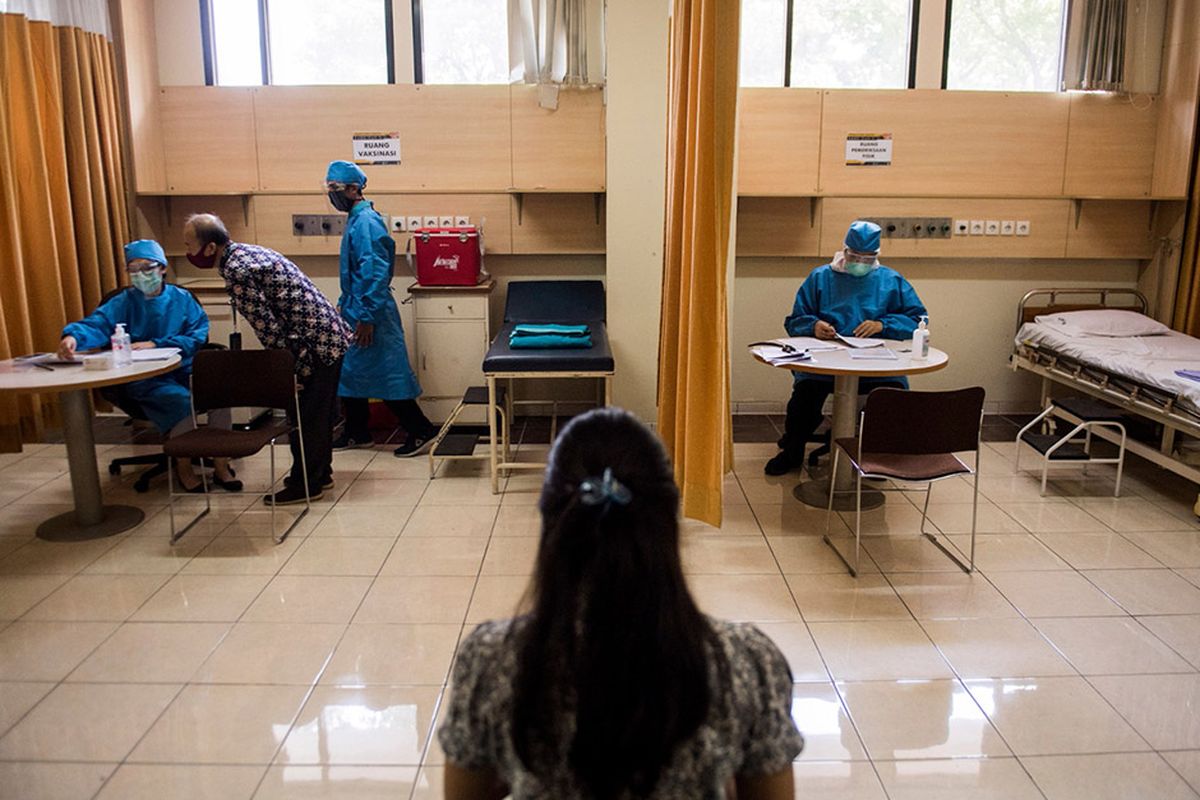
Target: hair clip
point(605, 490)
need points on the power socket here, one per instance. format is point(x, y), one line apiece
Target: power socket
point(977, 227)
point(399, 224)
point(446, 222)
point(461, 221)
point(962, 227)
point(430, 222)
point(1022, 227)
point(1007, 227)
point(992, 227)
point(414, 223)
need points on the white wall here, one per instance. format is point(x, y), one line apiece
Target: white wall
point(972, 316)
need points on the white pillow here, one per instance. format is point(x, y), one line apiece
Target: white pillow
point(1104, 322)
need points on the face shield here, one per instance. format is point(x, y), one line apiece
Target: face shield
point(336, 190)
point(859, 264)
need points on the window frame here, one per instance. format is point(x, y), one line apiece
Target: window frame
point(1062, 45)
point(209, 42)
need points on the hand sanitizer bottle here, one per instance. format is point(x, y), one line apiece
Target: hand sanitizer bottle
point(122, 348)
point(920, 340)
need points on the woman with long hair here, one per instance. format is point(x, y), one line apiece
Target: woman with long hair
point(615, 685)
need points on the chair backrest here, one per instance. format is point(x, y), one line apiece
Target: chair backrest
point(903, 422)
point(555, 301)
point(238, 378)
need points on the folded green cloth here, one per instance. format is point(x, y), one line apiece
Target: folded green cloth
point(548, 342)
point(525, 329)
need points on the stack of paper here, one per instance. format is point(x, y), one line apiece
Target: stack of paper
point(858, 343)
point(874, 354)
point(155, 354)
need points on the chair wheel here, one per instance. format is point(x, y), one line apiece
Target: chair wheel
point(141, 486)
point(114, 469)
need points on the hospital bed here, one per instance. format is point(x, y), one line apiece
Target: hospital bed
point(543, 302)
point(1134, 373)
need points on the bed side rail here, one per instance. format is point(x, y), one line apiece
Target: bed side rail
point(1111, 297)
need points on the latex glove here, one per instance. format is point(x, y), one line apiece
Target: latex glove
point(823, 330)
point(868, 328)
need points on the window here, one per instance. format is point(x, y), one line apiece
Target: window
point(1012, 45)
point(307, 42)
point(461, 41)
point(833, 44)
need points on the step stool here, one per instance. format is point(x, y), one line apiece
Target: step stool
point(1090, 414)
point(450, 446)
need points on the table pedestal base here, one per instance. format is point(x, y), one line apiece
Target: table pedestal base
point(66, 527)
point(816, 494)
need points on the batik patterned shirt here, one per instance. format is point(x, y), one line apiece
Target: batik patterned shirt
point(283, 306)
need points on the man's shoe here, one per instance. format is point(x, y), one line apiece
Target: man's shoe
point(326, 484)
point(781, 464)
point(345, 442)
point(290, 496)
point(414, 445)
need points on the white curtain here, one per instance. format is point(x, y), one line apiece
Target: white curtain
point(1114, 45)
point(89, 15)
point(556, 42)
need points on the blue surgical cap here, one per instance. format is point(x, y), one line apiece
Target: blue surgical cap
point(147, 249)
point(863, 237)
point(345, 172)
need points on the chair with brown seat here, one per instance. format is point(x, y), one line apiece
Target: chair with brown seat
point(236, 379)
point(913, 437)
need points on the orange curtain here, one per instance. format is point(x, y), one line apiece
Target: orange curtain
point(693, 379)
point(63, 217)
point(1187, 293)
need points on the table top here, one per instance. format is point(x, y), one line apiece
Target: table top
point(839, 362)
point(16, 376)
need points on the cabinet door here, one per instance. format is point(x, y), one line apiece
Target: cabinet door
point(451, 357)
point(447, 305)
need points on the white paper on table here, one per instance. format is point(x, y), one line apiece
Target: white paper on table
point(874, 354)
point(858, 342)
point(155, 354)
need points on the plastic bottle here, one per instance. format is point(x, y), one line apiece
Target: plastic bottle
point(122, 348)
point(920, 340)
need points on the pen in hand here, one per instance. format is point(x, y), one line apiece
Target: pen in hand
point(45, 367)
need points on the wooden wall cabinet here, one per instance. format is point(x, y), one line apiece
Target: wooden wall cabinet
point(449, 339)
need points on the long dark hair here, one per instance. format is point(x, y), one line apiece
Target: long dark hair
point(614, 638)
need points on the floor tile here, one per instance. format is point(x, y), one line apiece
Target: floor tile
point(1009, 552)
point(920, 719)
point(461, 492)
point(343, 555)
point(842, 598)
point(1054, 594)
point(1054, 716)
point(399, 492)
point(1098, 550)
point(797, 646)
point(430, 520)
point(822, 719)
point(950, 491)
point(19, 593)
point(996, 648)
point(180, 782)
point(1113, 776)
point(152, 652)
point(1127, 514)
point(795, 519)
point(436, 555)
point(1111, 646)
point(837, 780)
point(497, 597)
point(908, 553)
point(46, 781)
point(878, 650)
point(951, 595)
point(810, 555)
point(511, 555)
point(271, 653)
point(1054, 518)
point(1163, 710)
point(17, 698)
point(892, 518)
point(97, 598)
point(308, 598)
point(148, 555)
point(736, 520)
point(1187, 764)
point(956, 518)
point(222, 725)
point(202, 598)
point(417, 599)
point(393, 654)
point(509, 521)
point(750, 598)
point(1181, 633)
point(47, 651)
point(373, 725)
point(345, 519)
point(39, 557)
point(242, 555)
point(1172, 549)
point(294, 782)
point(1007, 489)
point(976, 778)
point(1148, 591)
point(87, 722)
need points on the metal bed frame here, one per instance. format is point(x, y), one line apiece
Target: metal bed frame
point(1134, 397)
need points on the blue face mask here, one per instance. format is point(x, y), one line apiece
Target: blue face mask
point(341, 202)
point(149, 283)
point(858, 268)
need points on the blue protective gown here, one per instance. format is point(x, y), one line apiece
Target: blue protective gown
point(845, 301)
point(366, 264)
point(173, 318)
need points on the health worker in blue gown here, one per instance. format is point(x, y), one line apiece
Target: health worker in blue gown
point(376, 365)
point(155, 314)
point(854, 295)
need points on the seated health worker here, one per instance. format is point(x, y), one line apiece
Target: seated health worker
point(854, 295)
point(155, 314)
point(615, 685)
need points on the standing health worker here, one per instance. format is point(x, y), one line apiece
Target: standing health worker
point(377, 363)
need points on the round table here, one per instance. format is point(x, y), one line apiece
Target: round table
point(846, 372)
point(91, 519)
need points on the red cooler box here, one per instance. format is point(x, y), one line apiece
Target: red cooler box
point(447, 256)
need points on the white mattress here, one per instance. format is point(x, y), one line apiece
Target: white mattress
point(1148, 359)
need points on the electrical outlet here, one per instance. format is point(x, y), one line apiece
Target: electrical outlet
point(414, 223)
point(461, 221)
point(1022, 227)
point(992, 227)
point(1007, 227)
point(431, 222)
point(962, 227)
point(446, 221)
point(399, 224)
point(977, 227)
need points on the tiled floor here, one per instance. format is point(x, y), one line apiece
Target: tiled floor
point(228, 667)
